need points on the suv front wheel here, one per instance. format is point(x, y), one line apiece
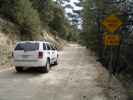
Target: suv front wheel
point(56, 62)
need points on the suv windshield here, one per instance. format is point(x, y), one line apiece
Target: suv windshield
point(27, 46)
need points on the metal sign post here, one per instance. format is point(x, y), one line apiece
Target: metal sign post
point(111, 24)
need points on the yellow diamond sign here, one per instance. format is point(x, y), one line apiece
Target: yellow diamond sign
point(112, 23)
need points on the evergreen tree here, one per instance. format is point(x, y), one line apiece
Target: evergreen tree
point(45, 10)
point(26, 17)
point(7, 9)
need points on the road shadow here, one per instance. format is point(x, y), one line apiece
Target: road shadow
point(26, 74)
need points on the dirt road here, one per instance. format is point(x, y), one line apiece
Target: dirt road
point(75, 78)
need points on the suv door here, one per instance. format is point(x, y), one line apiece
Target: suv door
point(49, 52)
point(54, 53)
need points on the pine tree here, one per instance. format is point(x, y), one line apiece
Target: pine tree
point(26, 17)
point(45, 10)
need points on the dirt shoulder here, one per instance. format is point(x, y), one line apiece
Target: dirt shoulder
point(113, 87)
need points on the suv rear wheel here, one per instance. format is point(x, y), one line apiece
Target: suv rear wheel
point(47, 67)
point(19, 69)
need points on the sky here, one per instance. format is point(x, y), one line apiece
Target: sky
point(75, 8)
point(72, 3)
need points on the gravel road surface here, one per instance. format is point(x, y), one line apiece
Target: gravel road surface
point(75, 78)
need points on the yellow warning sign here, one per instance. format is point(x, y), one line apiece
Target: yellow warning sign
point(112, 23)
point(112, 40)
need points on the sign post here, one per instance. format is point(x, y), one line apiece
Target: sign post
point(111, 24)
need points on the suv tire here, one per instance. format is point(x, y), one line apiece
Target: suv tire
point(47, 67)
point(19, 69)
point(56, 62)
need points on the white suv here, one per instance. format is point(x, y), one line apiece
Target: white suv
point(34, 54)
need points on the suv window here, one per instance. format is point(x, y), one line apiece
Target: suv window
point(19, 47)
point(44, 46)
point(27, 46)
